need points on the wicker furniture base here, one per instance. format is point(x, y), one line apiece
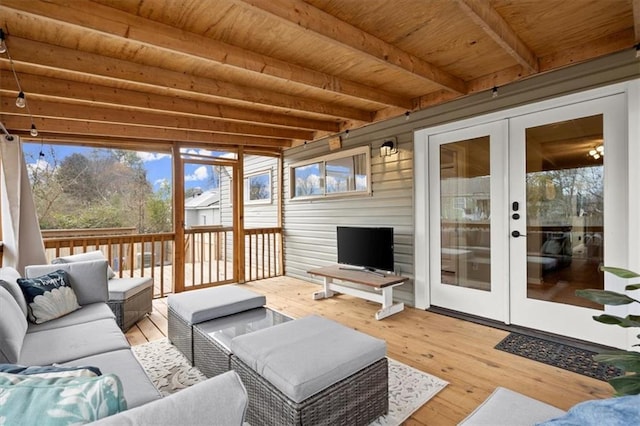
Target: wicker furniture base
point(357, 400)
point(209, 356)
point(180, 333)
point(128, 312)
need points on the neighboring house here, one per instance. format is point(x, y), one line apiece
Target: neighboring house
point(202, 209)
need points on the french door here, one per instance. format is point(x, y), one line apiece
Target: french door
point(521, 210)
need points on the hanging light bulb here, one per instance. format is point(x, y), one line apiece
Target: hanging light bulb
point(494, 92)
point(3, 44)
point(33, 131)
point(21, 102)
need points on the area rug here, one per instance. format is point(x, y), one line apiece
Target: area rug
point(559, 355)
point(409, 388)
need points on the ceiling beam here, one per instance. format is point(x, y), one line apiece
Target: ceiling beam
point(636, 20)
point(94, 94)
point(21, 124)
point(79, 111)
point(490, 21)
point(302, 15)
point(128, 28)
point(111, 71)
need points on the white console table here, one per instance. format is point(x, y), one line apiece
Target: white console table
point(362, 284)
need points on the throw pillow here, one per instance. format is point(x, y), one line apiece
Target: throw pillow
point(34, 401)
point(81, 257)
point(49, 296)
point(50, 371)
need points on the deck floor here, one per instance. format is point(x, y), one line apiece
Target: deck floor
point(455, 350)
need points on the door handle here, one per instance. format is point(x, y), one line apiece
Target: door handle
point(516, 234)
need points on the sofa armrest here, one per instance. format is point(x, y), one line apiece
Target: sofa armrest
point(88, 278)
point(221, 400)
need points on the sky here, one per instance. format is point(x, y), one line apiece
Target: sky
point(157, 165)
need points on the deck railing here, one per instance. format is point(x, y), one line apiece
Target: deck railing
point(208, 254)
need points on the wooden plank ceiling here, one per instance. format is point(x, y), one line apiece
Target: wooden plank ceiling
point(270, 74)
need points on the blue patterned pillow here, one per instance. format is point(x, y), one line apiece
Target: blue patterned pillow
point(34, 401)
point(49, 296)
point(49, 371)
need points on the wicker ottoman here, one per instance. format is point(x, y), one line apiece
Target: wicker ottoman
point(212, 339)
point(130, 299)
point(193, 307)
point(312, 371)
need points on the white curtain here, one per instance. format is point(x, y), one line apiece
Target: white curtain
point(20, 228)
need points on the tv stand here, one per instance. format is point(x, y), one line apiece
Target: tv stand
point(362, 283)
point(362, 269)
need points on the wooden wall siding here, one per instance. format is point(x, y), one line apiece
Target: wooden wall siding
point(310, 225)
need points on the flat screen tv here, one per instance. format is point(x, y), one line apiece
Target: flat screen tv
point(365, 248)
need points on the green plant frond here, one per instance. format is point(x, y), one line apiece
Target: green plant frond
point(619, 272)
point(628, 321)
point(632, 287)
point(626, 385)
point(626, 360)
point(605, 297)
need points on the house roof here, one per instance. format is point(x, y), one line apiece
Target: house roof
point(269, 74)
point(203, 200)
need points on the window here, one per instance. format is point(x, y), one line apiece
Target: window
point(342, 173)
point(257, 188)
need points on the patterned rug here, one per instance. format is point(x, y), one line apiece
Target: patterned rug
point(409, 388)
point(559, 355)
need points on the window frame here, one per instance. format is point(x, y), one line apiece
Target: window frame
point(322, 161)
point(247, 185)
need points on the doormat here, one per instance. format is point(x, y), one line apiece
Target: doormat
point(558, 355)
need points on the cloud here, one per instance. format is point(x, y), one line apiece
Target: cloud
point(151, 156)
point(201, 173)
point(161, 182)
point(39, 166)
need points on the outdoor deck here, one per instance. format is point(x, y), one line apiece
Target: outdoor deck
point(458, 351)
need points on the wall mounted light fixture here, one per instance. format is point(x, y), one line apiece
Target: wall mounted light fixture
point(597, 152)
point(388, 147)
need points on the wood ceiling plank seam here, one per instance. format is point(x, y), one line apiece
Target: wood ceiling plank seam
point(490, 21)
point(306, 17)
point(49, 109)
point(93, 94)
point(179, 42)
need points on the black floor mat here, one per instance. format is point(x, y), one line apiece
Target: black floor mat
point(559, 355)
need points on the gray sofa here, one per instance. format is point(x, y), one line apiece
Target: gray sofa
point(90, 337)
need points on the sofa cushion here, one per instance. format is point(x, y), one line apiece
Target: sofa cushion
point(82, 257)
point(35, 401)
point(88, 278)
point(13, 327)
point(304, 356)
point(50, 371)
point(64, 344)
point(88, 313)
point(9, 280)
point(124, 288)
point(507, 407)
point(221, 400)
point(48, 296)
point(209, 303)
point(138, 388)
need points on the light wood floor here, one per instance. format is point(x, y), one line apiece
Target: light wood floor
point(457, 351)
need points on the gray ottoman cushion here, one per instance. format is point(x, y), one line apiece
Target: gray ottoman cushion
point(304, 356)
point(124, 288)
point(206, 304)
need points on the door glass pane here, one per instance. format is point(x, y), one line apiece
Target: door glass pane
point(565, 203)
point(465, 211)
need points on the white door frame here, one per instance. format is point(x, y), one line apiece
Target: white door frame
point(628, 230)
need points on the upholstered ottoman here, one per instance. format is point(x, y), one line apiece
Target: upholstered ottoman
point(212, 339)
point(130, 299)
point(312, 371)
point(193, 307)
